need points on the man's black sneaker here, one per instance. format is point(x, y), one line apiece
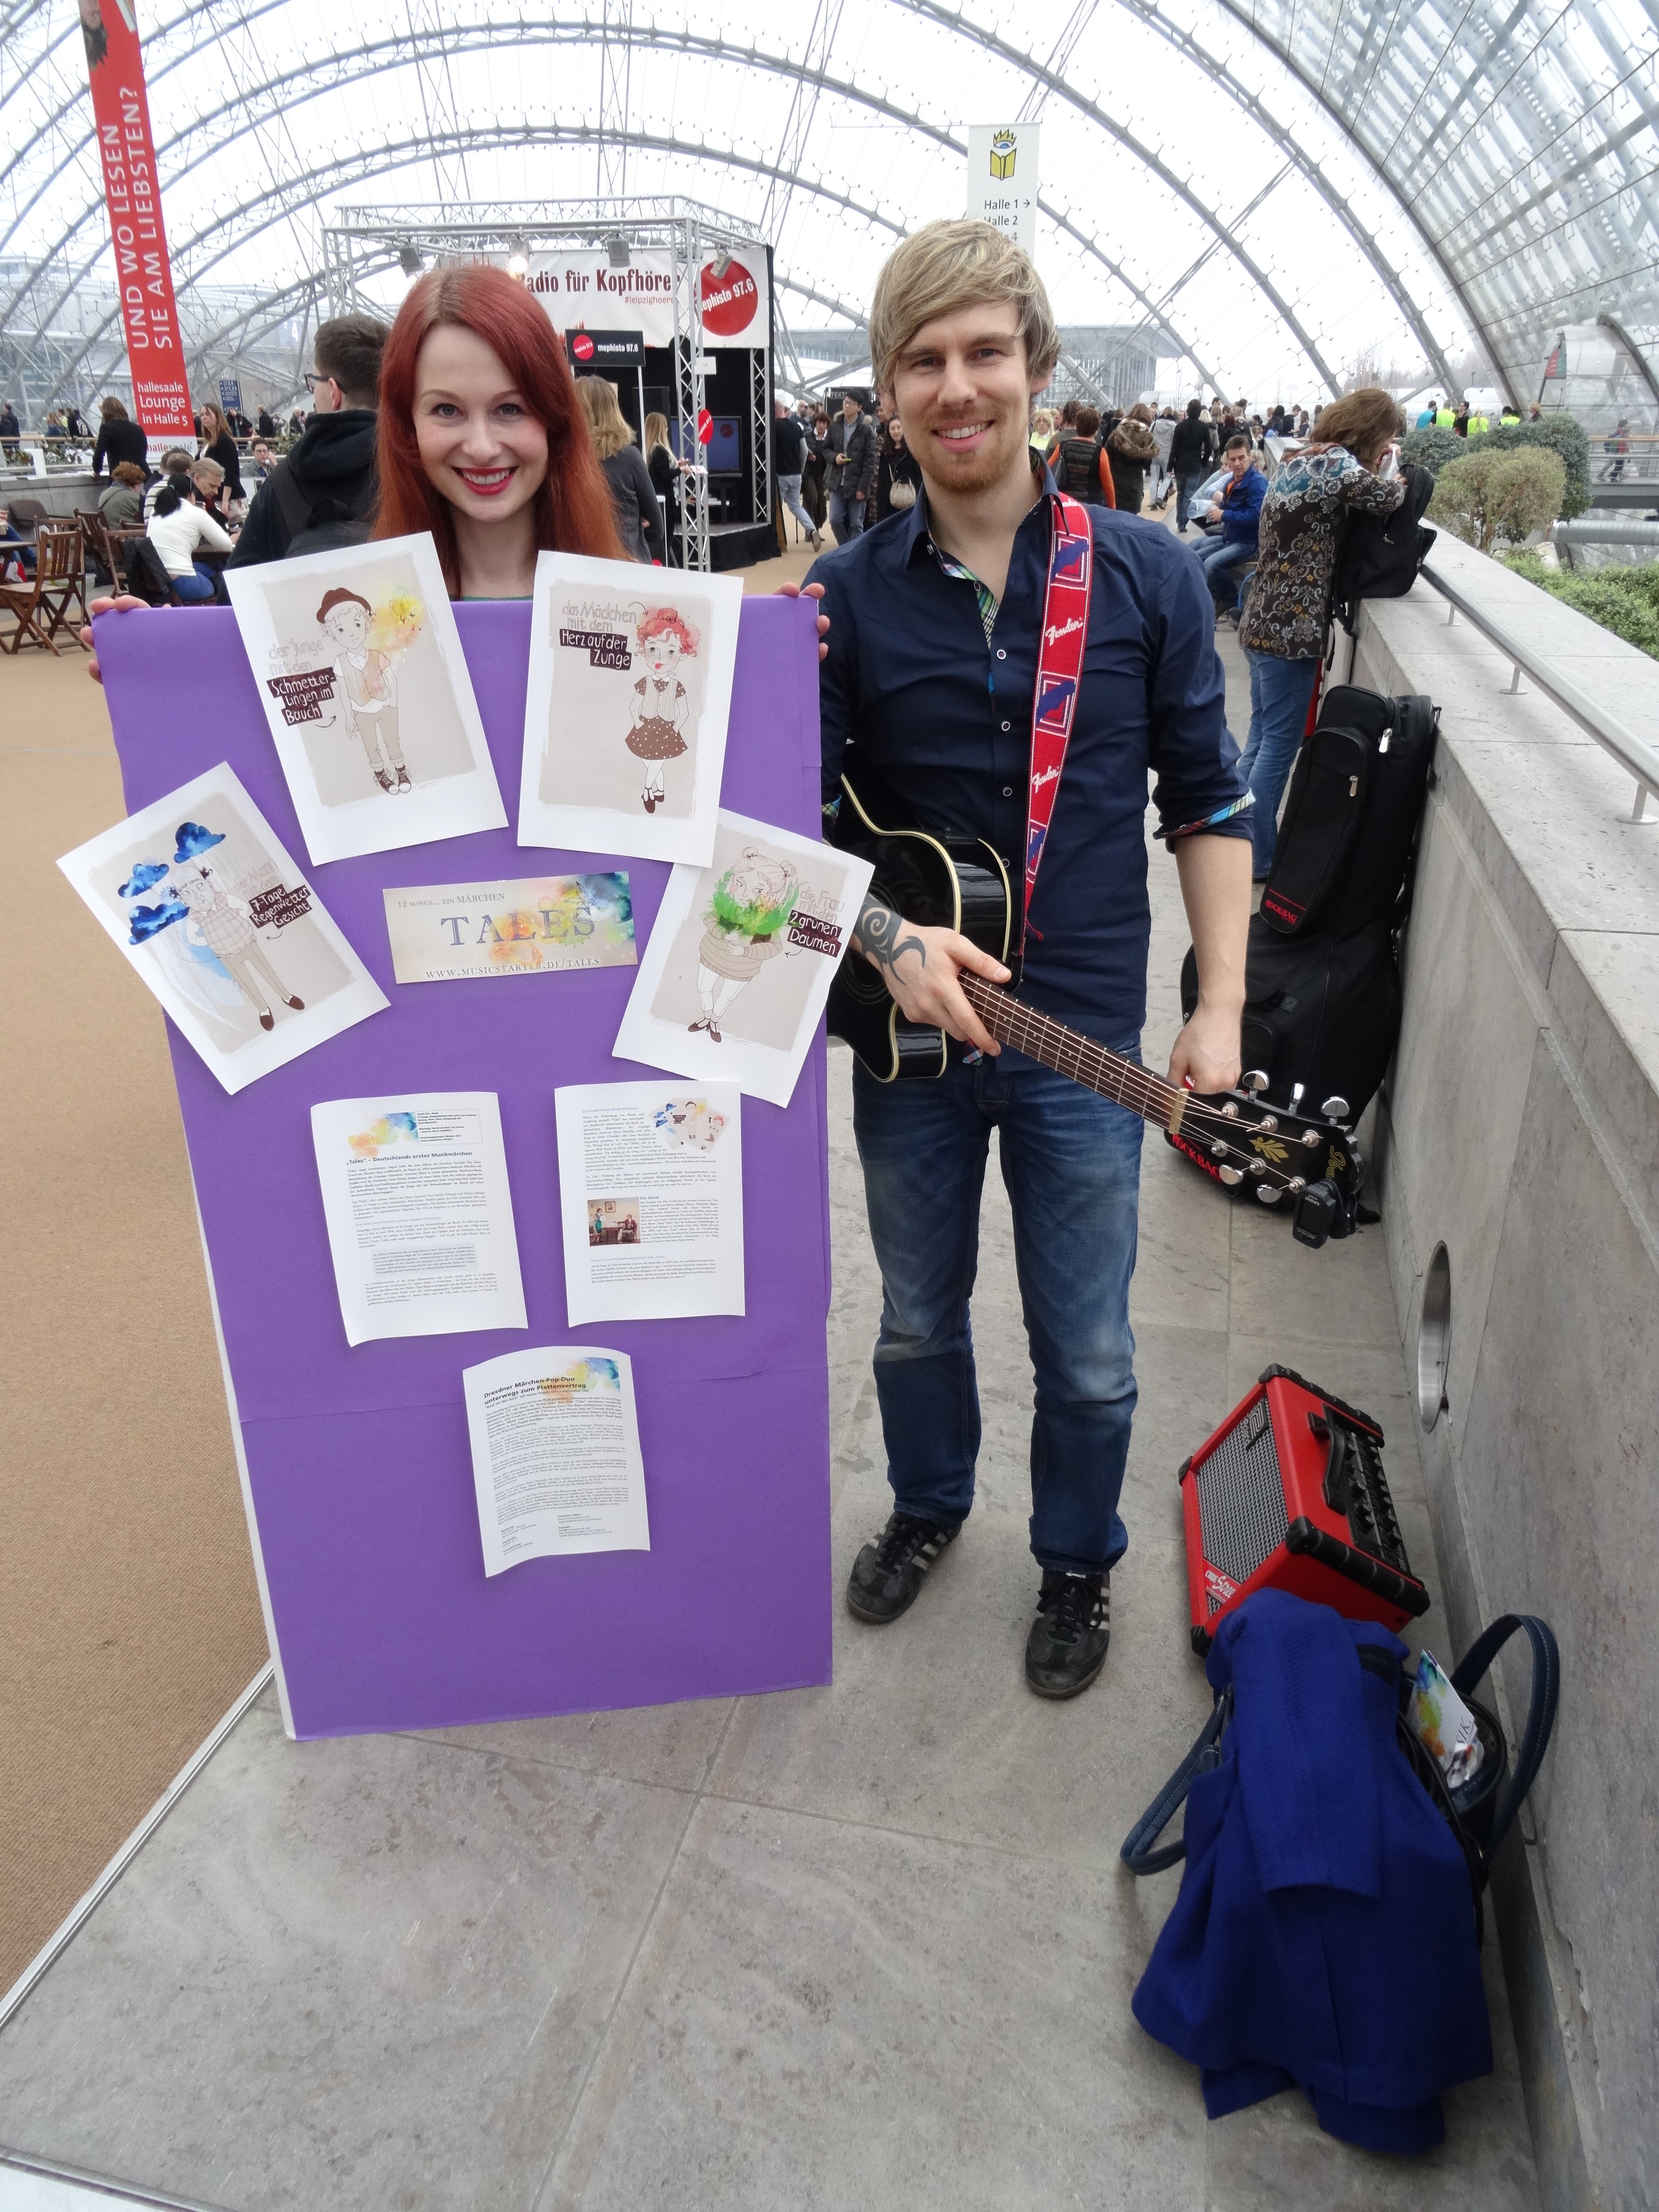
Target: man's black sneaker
point(1067, 1647)
point(887, 1574)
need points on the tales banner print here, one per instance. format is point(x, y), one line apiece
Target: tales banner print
point(132, 192)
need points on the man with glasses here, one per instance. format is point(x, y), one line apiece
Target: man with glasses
point(322, 493)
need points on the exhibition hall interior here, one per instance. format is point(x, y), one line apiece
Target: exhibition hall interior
point(958, 1506)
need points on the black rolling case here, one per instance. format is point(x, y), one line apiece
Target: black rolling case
point(1321, 1009)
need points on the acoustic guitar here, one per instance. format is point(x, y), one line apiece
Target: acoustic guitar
point(951, 881)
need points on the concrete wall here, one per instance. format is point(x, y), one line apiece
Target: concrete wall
point(1519, 1126)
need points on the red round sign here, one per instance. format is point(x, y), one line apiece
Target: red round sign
point(582, 346)
point(705, 426)
point(730, 297)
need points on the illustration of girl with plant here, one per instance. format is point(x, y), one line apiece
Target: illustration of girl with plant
point(368, 637)
point(662, 708)
point(747, 916)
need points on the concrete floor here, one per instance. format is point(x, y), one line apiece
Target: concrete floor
point(867, 1946)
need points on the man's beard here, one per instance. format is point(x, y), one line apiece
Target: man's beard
point(972, 474)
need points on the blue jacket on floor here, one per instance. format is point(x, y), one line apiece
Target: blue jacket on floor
point(1325, 1931)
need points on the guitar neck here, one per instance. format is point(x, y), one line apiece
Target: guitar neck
point(1069, 1052)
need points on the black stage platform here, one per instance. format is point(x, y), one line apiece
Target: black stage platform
point(741, 544)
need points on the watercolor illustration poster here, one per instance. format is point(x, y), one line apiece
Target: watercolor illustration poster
point(222, 925)
point(626, 714)
point(365, 689)
point(733, 982)
point(419, 1213)
point(527, 925)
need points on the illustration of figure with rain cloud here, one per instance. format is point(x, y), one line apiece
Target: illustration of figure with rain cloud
point(203, 930)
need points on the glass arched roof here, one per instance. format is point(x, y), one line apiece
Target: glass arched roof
point(1296, 191)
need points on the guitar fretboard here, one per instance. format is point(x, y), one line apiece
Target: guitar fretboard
point(1070, 1054)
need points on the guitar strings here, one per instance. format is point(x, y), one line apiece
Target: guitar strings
point(1109, 1074)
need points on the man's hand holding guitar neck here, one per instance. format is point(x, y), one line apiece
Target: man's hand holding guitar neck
point(920, 967)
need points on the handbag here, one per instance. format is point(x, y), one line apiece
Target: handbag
point(900, 494)
point(1471, 1811)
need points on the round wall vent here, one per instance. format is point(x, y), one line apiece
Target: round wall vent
point(1434, 1338)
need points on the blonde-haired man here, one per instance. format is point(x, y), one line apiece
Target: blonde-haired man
point(936, 618)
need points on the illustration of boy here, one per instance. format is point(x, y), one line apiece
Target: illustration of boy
point(228, 932)
point(662, 708)
point(367, 687)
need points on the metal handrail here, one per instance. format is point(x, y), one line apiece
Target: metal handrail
point(1632, 753)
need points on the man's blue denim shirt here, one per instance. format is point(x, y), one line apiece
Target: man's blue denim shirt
point(945, 718)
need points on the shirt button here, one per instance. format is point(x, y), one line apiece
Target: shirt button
point(1001, 655)
point(1007, 726)
point(1007, 790)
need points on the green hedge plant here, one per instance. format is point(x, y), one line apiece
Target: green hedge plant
point(1487, 497)
point(1625, 600)
point(1435, 449)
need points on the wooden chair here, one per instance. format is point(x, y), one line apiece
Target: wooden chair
point(42, 606)
point(106, 548)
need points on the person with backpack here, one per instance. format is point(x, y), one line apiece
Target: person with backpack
point(1078, 466)
point(1130, 451)
point(1191, 450)
point(322, 493)
point(1282, 629)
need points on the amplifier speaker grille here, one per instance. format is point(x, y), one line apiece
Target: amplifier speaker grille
point(1241, 1499)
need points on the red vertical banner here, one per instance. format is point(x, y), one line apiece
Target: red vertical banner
point(132, 192)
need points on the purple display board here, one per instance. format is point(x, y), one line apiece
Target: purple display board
point(355, 1462)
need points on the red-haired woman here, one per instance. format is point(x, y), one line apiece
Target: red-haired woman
point(482, 442)
point(481, 439)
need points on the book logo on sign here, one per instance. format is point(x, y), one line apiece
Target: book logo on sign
point(1005, 148)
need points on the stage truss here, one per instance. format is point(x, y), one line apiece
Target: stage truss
point(360, 240)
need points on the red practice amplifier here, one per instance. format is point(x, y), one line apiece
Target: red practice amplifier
point(1289, 1493)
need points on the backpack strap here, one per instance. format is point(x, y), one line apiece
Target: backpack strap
point(1141, 1853)
point(1540, 1711)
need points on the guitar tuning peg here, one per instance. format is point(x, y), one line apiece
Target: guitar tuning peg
point(1231, 1175)
point(1254, 1082)
point(1335, 1108)
point(1269, 1194)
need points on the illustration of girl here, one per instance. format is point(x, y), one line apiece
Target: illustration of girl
point(662, 709)
point(750, 909)
point(368, 689)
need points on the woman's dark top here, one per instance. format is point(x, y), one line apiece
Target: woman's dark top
point(223, 450)
point(119, 440)
point(639, 523)
point(664, 479)
point(895, 464)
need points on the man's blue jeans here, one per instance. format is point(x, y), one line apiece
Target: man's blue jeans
point(845, 515)
point(1280, 692)
point(1071, 1161)
point(1216, 555)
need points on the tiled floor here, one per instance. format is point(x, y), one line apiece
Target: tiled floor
point(867, 1946)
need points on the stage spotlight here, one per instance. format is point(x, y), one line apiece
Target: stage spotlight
point(518, 260)
point(721, 263)
point(616, 247)
point(409, 261)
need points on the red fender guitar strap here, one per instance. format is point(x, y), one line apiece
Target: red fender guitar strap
point(1059, 671)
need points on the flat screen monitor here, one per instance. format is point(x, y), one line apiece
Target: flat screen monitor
point(722, 456)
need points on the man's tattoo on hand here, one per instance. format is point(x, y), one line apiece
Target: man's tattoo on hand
point(878, 928)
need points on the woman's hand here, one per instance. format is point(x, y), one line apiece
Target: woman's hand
point(119, 605)
point(809, 592)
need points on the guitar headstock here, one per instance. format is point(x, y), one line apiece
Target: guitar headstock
point(1285, 1157)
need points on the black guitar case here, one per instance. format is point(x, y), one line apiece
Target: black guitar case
point(1321, 1005)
